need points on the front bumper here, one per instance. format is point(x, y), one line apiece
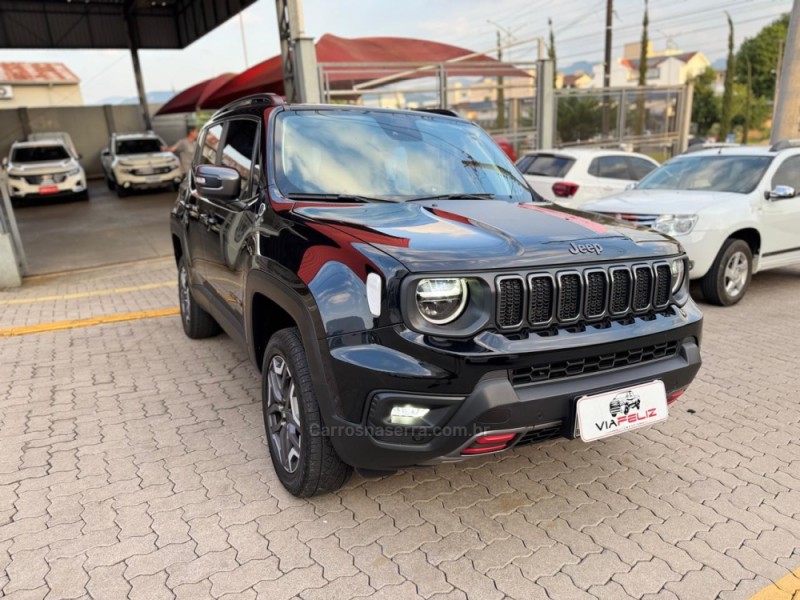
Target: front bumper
point(20, 189)
point(145, 182)
point(471, 394)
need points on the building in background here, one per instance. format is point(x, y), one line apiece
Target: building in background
point(38, 84)
point(664, 67)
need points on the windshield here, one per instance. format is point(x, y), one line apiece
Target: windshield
point(39, 154)
point(391, 156)
point(717, 173)
point(140, 146)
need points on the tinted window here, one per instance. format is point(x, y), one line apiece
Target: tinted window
point(639, 167)
point(547, 165)
point(610, 167)
point(715, 173)
point(208, 155)
point(788, 173)
point(140, 146)
point(392, 156)
point(240, 141)
point(40, 154)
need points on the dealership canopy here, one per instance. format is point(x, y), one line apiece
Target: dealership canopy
point(88, 24)
point(346, 62)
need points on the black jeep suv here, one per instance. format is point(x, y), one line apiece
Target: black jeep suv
point(409, 299)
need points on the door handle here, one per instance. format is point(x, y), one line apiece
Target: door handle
point(208, 220)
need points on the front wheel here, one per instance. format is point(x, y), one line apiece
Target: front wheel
point(302, 454)
point(729, 277)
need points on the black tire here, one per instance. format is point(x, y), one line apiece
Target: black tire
point(197, 323)
point(317, 467)
point(718, 286)
point(112, 185)
point(121, 192)
point(84, 195)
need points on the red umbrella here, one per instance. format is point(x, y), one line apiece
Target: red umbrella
point(190, 99)
point(330, 49)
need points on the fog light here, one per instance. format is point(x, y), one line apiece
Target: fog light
point(409, 411)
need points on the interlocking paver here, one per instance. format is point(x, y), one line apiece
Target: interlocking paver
point(136, 474)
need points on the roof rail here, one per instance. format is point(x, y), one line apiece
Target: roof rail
point(439, 111)
point(268, 99)
point(784, 144)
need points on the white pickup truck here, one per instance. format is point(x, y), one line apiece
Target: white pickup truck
point(735, 210)
point(136, 161)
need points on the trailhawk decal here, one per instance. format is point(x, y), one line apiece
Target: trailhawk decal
point(610, 413)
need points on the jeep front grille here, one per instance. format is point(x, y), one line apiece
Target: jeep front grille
point(549, 371)
point(510, 300)
point(540, 300)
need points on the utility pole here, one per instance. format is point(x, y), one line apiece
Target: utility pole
point(787, 117)
point(607, 65)
point(501, 96)
point(133, 44)
point(748, 101)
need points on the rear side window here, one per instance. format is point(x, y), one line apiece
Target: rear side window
point(610, 167)
point(639, 167)
point(547, 165)
point(208, 155)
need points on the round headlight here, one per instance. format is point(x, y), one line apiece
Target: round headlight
point(678, 269)
point(441, 301)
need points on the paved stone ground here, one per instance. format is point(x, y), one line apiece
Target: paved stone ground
point(133, 465)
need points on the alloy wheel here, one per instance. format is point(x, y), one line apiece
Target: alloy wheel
point(736, 272)
point(283, 414)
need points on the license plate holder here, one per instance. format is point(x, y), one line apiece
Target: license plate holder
point(599, 416)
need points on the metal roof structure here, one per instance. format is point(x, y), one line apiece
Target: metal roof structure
point(103, 24)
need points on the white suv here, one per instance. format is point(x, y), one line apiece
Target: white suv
point(574, 176)
point(735, 210)
point(136, 161)
point(44, 168)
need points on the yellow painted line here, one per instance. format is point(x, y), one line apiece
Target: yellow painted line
point(121, 290)
point(784, 589)
point(117, 265)
point(90, 322)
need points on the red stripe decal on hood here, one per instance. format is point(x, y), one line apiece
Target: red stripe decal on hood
point(583, 221)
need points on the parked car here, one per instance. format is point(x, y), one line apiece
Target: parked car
point(43, 168)
point(61, 136)
point(139, 161)
point(574, 176)
point(734, 210)
point(407, 297)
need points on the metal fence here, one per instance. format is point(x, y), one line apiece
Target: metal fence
point(654, 120)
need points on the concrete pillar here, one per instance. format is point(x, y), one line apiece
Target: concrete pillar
point(545, 105)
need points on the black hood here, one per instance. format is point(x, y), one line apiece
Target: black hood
point(455, 235)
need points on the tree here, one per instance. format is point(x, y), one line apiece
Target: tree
point(551, 51)
point(705, 103)
point(727, 94)
point(644, 48)
point(641, 108)
point(762, 51)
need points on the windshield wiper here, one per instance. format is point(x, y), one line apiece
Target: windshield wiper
point(463, 196)
point(335, 197)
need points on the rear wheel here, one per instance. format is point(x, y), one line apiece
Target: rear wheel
point(729, 277)
point(197, 323)
point(303, 456)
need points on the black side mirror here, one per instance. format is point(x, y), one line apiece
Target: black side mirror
point(218, 183)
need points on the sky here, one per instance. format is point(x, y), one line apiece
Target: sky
point(691, 25)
